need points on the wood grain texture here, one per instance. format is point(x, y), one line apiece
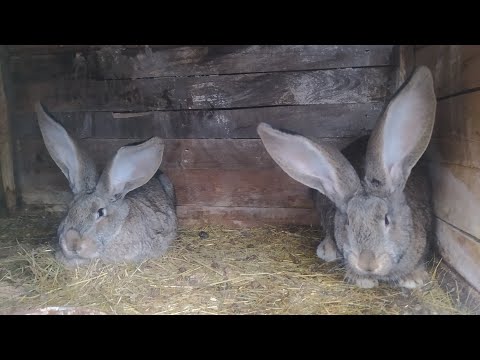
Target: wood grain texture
point(179, 153)
point(404, 62)
point(251, 188)
point(206, 102)
point(456, 196)
point(459, 117)
point(238, 217)
point(223, 188)
point(455, 151)
point(15, 50)
point(328, 120)
point(129, 62)
point(455, 67)
point(461, 251)
point(456, 135)
point(359, 85)
point(6, 149)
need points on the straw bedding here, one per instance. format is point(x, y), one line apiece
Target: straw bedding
point(212, 270)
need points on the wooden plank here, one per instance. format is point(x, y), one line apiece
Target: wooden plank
point(252, 188)
point(16, 50)
point(461, 251)
point(417, 47)
point(204, 187)
point(127, 62)
point(327, 120)
point(6, 152)
point(456, 135)
point(456, 196)
point(455, 67)
point(238, 217)
point(459, 117)
point(179, 153)
point(455, 151)
point(359, 85)
point(404, 61)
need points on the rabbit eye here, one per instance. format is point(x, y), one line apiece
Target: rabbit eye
point(387, 220)
point(101, 212)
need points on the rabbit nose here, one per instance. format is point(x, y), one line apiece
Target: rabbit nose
point(367, 261)
point(72, 240)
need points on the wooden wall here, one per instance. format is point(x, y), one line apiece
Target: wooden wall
point(206, 101)
point(455, 154)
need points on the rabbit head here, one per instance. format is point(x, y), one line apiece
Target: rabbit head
point(377, 229)
point(98, 209)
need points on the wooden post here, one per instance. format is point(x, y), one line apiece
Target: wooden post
point(6, 153)
point(404, 60)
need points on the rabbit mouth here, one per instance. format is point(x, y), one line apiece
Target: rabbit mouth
point(73, 245)
point(373, 266)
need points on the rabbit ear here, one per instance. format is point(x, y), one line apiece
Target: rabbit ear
point(402, 134)
point(75, 164)
point(131, 167)
point(321, 167)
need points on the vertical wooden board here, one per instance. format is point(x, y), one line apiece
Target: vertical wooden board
point(6, 150)
point(455, 68)
point(460, 250)
point(404, 62)
point(456, 135)
point(456, 196)
point(459, 117)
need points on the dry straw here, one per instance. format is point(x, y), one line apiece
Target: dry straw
point(265, 270)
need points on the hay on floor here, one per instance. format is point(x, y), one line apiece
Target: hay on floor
point(265, 270)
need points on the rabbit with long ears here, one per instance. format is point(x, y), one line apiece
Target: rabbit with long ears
point(378, 225)
point(127, 214)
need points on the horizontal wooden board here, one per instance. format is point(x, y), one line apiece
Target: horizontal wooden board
point(455, 151)
point(252, 188)
point(238, 217)
point(459, 117)
point(455, 67)
point(204, 187)
point(15, 50)
point(456, 196)
point(461, 251)
point(359, 85)
point(127, 62)
point(327, 120)
point(231, 217)
point(32, 154)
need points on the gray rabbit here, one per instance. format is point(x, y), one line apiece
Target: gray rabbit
point(127, 214)
point(380, 225)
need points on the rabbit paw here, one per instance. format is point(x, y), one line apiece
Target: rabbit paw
point(327, 250)
point(69, 263)
point(366, 283)
point(414, 280)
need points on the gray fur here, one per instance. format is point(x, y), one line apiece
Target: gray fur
point(140, 219)
point(380, 225)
